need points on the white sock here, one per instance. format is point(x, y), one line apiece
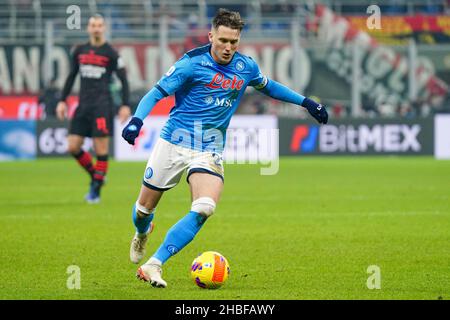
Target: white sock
point(153, 260)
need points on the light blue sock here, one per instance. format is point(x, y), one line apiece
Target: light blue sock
point(180, 235)
point(142, 224)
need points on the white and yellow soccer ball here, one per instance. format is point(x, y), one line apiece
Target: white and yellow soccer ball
point(210, 270)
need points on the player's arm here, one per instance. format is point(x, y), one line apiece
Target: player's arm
point(145, 106)
point(61, 108)
point(172, 80)
point(122, 75)
point(279, 91)
point(124, 110)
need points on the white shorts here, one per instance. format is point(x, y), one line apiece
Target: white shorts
point(168, 162)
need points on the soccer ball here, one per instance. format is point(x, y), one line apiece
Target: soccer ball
point(210, 270)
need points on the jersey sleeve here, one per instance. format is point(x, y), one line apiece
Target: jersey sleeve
point(258, 80)
point(118, 62)
point(74, 67)
point(118, 66)
point(176, 76)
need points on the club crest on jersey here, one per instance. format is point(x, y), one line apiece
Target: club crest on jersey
point(240, 65)
point(219, 81)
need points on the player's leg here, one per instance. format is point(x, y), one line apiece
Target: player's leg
point(163, 171)
point(74, 144)
point(75, 140)
point(101, 149)
point(143, 212)
point(101, 128)
point(205, 190)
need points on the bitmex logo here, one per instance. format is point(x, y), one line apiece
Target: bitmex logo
point(304, 139)
point(388, 138)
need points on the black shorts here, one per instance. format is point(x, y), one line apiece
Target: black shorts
point(92, 122)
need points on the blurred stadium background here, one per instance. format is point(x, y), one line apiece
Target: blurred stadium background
point(323, 49)
point(387, 92)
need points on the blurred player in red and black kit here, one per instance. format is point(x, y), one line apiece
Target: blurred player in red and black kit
point(95, 60)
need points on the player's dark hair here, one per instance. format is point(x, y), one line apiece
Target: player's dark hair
point(227, 18)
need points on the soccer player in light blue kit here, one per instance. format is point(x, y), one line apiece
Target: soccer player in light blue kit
point(208, 83)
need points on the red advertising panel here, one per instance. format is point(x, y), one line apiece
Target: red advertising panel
point(27, 107)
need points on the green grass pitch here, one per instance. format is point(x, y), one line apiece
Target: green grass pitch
point(309, 232)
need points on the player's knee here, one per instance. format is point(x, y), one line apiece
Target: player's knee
point(73, 149)
point(144, 209)
point(204, 206)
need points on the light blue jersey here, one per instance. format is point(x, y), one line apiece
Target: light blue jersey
point(206, 96)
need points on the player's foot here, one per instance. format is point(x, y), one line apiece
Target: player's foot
point(93, 195)
point(152, 273)
point(137, 249)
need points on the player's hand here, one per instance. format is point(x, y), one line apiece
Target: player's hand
point(319, 113)
point(131, 130)
point(61, 110)
point(124, 113)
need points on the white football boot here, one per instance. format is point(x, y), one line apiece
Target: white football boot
point(137, 249)
point(151, 272)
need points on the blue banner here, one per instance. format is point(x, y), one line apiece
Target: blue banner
point(17, 140)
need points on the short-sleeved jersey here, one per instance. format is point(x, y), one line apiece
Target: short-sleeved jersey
point(95, 65)
point(206, 96)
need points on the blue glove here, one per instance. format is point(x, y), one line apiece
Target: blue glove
point(316, 110)
point(131, 130)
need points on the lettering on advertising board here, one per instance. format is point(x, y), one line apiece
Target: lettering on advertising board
point(356, 137)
